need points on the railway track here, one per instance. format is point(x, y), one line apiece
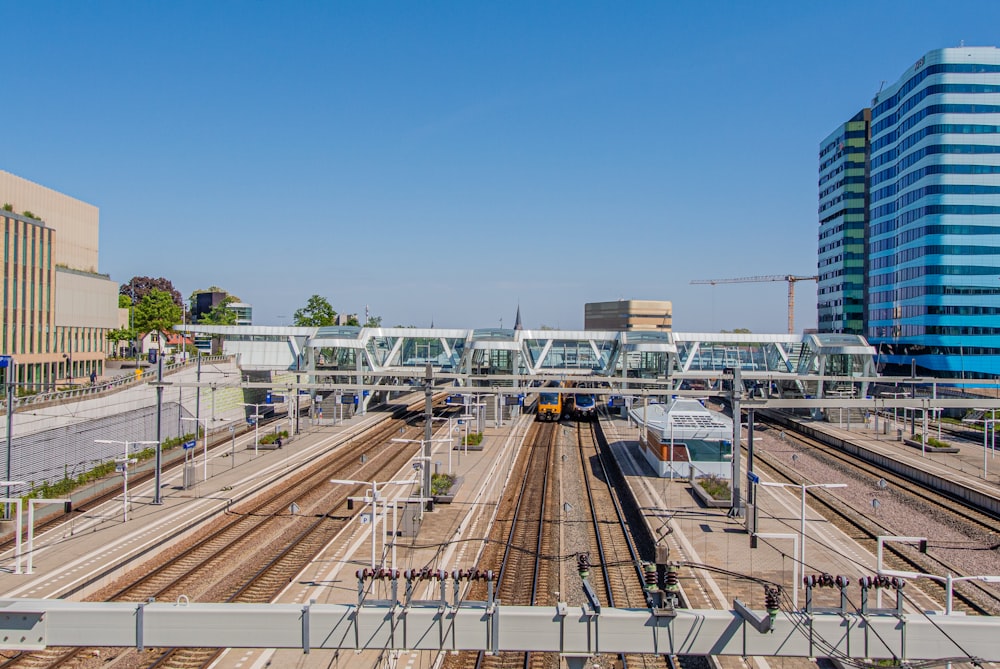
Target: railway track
point(619, 575)
point(50, 522)
point(262, 530)
point(969, 596)
point(518, 547)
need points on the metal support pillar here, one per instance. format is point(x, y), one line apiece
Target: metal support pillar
point(425, 489)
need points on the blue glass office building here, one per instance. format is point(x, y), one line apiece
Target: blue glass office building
point(934, 216)
point(843, 226)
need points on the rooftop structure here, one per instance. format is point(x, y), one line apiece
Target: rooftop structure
point(628, 315)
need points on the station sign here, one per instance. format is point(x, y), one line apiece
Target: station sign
point(189, 444)
point(511, 401)
point(348, 398)
point(5, 360)
point(753, 477)
point(616, 401)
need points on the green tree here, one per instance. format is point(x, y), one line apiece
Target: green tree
point(138, 286)
point(119, 335)
point(157, 312)
point(317, 313)
point(374, 322)
point(221, 314)
point(124, 301)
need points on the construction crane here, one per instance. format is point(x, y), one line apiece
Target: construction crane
point(790, 278)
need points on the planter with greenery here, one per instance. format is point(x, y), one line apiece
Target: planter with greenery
point(933, 445)
point(270, 440)
point(712, 490)
point(65, 486)
point(473, 441)
point(444, 487)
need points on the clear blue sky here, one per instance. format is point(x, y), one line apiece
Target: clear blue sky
point(450, 161)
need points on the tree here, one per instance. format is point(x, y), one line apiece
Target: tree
point(139, 286)
point(374, 322)
point(124, 301)
point(119, 335)
point(157, 312)
point(221, 314)
point(317, 313)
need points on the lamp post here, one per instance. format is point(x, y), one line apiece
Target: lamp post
point(795, 562)
point(7, 362)
point(802, 518)
point(895, 396)
point(989, 435)
point(373, 501)
point(126, 444)
point(427, 458)
point(947, 579)
point(204, 449)
point(451, 438)
point(256, 425)
point(121, 464)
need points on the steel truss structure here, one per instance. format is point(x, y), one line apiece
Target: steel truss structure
point(27, 624)
point(795, 365)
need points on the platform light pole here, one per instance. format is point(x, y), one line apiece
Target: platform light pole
point(204, 450)
point(7, 362)
point(122, 466)
point(947, 579)
point(802, 518)
point(795, 561)
point(373, 501)
point(451, 437)
point(126, 444)
point(426, 459)
point(989, 435)
point(256, 425)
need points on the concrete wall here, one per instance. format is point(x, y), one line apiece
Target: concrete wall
point(75, 222)
point(85, 300)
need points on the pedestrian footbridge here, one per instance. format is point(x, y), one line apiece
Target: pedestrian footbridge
point(790, 364)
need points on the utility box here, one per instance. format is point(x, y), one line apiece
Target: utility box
point(409, 519)
point(189, 480)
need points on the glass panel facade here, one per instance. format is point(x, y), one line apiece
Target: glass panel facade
point(934, 229)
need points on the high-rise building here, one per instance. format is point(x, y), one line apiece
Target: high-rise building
point(934, 260)
point(57, 308)
point(843, 226)
point(622, 315)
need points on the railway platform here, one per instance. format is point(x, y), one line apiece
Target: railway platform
point(90, 549)
point(718, 562)
point(968, 469)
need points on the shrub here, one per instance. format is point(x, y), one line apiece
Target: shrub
point(715, 486)
point(441, 483)
point(272, 437)
point(931, 441)
point(66, 485)
point(473, 439)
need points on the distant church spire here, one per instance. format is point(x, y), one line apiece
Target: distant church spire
point(517, 319)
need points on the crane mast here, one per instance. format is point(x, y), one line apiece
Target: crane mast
point(792, 279)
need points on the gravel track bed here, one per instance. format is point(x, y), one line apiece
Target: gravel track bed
point(971, 550)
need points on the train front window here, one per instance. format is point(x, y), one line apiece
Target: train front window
point(548, 398)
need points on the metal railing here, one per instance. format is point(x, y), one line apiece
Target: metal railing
point(120, 382)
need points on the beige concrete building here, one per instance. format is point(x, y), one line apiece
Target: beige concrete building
point(56, 308)
point(622, 315)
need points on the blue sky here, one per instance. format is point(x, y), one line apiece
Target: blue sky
point(449, 161)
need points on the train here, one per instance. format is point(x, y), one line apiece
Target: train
point(553, 405)
point(549, 404)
